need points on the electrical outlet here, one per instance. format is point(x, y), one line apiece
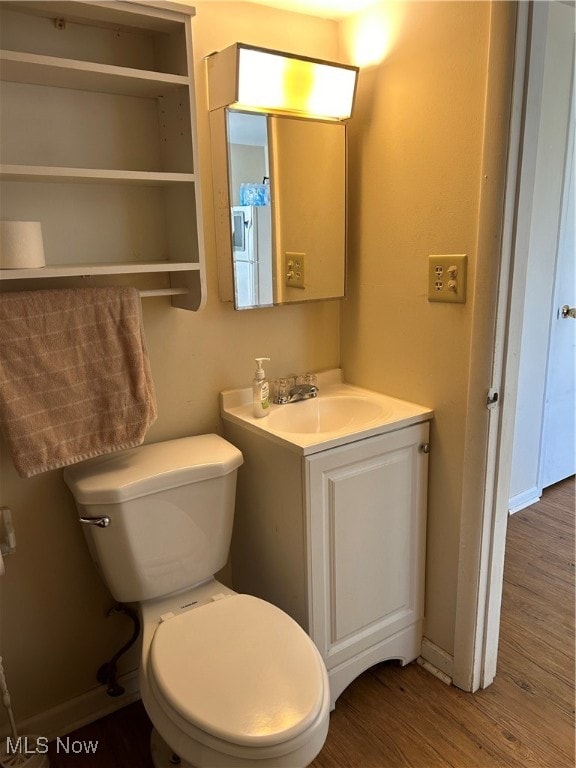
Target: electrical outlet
point(295, 266)
point(447, 278)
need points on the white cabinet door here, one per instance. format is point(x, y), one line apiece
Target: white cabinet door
point(366, 507)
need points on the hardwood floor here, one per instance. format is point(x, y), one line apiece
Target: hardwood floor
point(393, 717)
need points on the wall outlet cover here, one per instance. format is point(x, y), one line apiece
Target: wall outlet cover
point(295, 269)
point(447, 278)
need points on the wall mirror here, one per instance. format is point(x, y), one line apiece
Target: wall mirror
point(280, 195)
point(279, 171)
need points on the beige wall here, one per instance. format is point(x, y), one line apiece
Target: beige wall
point(54, 630)
point(416, 174)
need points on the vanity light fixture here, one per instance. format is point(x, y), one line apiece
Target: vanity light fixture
point(255, 79)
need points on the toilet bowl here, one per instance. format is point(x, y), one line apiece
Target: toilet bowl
point(228, 680)
point(232, 682)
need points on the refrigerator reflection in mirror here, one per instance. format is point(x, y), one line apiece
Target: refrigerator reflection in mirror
point(252, 256)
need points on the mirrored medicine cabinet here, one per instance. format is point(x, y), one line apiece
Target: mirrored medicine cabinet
point(279, 179)
point(280, 195)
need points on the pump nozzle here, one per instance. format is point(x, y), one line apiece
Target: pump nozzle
point(259, 370)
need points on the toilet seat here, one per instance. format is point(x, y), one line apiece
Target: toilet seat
point(238, 669)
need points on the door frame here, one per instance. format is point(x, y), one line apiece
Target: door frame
point(483, 532)
point(489, 436)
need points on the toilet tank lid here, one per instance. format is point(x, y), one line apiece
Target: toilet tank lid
point(125, 475)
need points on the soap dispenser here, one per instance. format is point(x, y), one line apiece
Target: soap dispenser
point(261, 390)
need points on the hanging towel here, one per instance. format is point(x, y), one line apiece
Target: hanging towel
point(75, 379)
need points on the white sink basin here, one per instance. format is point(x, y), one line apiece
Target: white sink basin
point(341, 414)
point(326, 414)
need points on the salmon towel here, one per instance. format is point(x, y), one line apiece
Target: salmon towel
point(75, 379)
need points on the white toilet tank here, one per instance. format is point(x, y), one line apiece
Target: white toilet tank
point(170, 508)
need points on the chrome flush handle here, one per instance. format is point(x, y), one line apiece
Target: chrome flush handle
point(101, 522)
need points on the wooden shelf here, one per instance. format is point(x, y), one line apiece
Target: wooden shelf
point(36, 69)
point(57, 174)
point(147, 293)
point(82, 270)
point(160, 17)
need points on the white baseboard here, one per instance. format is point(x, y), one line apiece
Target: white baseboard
point(434, 671)
point(437, 661)
point(86, 708)
point(525, 499)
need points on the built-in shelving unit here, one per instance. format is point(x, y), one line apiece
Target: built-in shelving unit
point(98, 132)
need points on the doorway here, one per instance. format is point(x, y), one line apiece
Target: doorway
point(543, 446)
point(480, 578)
point(535, 44)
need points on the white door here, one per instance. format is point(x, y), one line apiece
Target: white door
point(558, 443)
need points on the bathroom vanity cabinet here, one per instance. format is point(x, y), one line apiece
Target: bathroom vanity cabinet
point(336, 538)
point(99, 143)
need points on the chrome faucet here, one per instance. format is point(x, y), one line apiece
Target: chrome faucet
point(299, 392)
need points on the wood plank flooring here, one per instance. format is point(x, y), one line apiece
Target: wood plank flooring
point(394, 717)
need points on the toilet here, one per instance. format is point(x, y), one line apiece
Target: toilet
point(228, 680)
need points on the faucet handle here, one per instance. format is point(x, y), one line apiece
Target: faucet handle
point(305, 378)
point(283, 387)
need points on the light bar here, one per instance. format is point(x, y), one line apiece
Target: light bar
point(257, 79)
